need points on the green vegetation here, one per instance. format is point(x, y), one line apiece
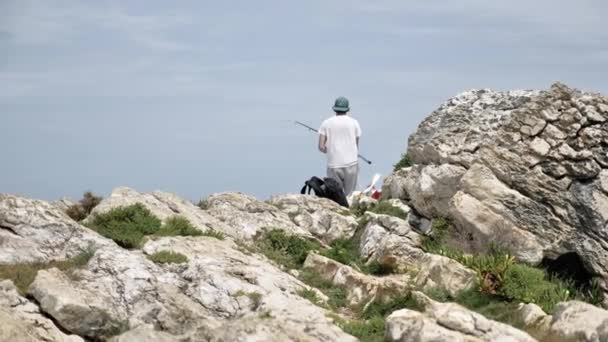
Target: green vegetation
point(178, 226)
point(287, 250)
point(168, 257)
point(386, 208)
point(502, 280)
point(371, 330)
point(311, 295)
point(23, 275)
point(490, 306)
point(214, 234)
point(83, 208)
point(127, 226)
point(256, 299)
point(203, 204)
point(291, 251)
point(404, 162)
point(267, 314)
point(337, 294)
point(370, 322)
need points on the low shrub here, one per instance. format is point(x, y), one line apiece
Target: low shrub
point(344, 251)
point(203, 204)
point(23, 275)
point(337, 295)
point(178, 226)
point(383, 309)
point(127, 226)
point(531, 285)
point(285, 249)
point(490, 306)
point(83, 208)
point(404, 162)
point(168, 257)
point(371, 330)
point(214, 234)
point(311, 295)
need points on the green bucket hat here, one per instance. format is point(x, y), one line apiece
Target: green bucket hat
point(341, 104)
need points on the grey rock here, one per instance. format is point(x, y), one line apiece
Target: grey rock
point(531, 166)
point(36, 231)
point(578, 321)
point(323, 218)
point(247, 218)
point(447, 322)
point(22, 320)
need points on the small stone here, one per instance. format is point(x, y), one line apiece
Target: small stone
point(540, 146)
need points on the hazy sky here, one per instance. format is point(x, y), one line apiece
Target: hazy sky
point(196, 97)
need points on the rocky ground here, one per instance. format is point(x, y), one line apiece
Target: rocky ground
point(502, 187)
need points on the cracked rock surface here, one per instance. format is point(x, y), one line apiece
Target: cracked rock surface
point(526, 169)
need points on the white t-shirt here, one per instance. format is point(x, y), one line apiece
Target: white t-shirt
point(342, 132)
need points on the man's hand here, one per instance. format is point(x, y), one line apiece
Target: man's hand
point(322, 143)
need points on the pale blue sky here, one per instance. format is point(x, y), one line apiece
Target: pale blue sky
point(196, 97)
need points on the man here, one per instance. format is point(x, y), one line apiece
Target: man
point(339, 139)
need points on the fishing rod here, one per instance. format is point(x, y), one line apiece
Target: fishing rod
point(316, 131)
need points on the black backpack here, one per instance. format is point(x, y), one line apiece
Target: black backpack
point(326, 188)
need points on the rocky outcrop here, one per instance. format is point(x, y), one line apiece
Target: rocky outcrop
point(361, 288)
point(164, 205)
point(533, 320)
point(220, 291)
point(323, 218)
point(249, 218)
point(22, 320)
point(447, 322)
point(36, 231)
point(578, 321)
point(391, 241)
point(527, 169)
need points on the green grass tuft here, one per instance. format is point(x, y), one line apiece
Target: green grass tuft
point(311, 295)
point(337, 294)
point(23, 275)
point(371, 330)
point(404, 162)
point(214, 234)
point(168, 257)
point(383, 309)
point(178, 226)
point(287, 250)
point(502, 279)
point(203, 204)
point(127, 226)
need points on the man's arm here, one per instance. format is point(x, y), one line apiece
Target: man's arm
point(322, 143)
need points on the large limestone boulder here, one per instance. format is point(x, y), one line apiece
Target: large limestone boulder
point(36, 231)
point(527, 169)
point(447, 322)
point(22, 320)
point(323, 218)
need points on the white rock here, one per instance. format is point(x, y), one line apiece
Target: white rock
point(323, 218)
point(577, 321)
point(447, 322)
